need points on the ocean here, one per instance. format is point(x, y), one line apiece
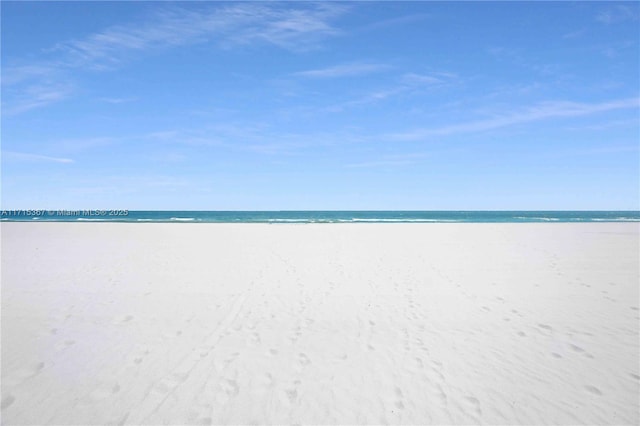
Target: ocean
point(286, 216)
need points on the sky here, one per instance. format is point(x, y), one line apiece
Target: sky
point(321, 106)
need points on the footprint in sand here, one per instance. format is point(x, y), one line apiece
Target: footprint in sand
point(546, 327)
point(7, 401)
point(576, 348)
point(303, 359)
point(230, 387)
point(254, 338)
point(296, 335)
point(122, 320)
point(399, 399)
point(231, 358)
point(522, 334)
point(123, 419)
point(140, 355)
point(22, 374)
point(167, 384)
point(104, 391)
point(204, 421)
point(592, 389)
point(291, 394)
point(436, 371)
point(474, 404)
point(267, 380)
point(441, 395)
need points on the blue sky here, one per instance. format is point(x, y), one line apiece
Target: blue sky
point(300, 105)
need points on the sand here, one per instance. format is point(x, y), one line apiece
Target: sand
point(320, 323)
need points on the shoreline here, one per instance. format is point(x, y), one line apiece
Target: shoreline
point(134, 216)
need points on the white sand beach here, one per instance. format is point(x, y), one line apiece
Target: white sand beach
point(149, 324)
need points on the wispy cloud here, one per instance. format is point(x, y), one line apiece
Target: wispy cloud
point(23, 156)
point(619, 13)
point(258, 138)
point(422, 79)
point(521, 58)
point(429, 78)
point(613, 50)
point(287, 27)
point(343, 70)
point(17, 74)
point(542, 111)
point(609, 124)
point(407, 84)
point(117, 101)
point(36, 96)
point(296, 27)
point(368, 98)
point(574, 34)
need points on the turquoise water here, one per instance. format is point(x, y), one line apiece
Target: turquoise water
point(318, 216)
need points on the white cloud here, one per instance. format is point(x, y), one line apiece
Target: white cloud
point(117, 101)
point(367, 99)
point(23, 156)
point(409, 84)
point(546, 110)
point(291, 28)
point(344, 70)
point(430, 79)
point(574, 34)
point(619, 13)
point(422, 78)
point(17, 74)
point(36, 96)
point(295, 28)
